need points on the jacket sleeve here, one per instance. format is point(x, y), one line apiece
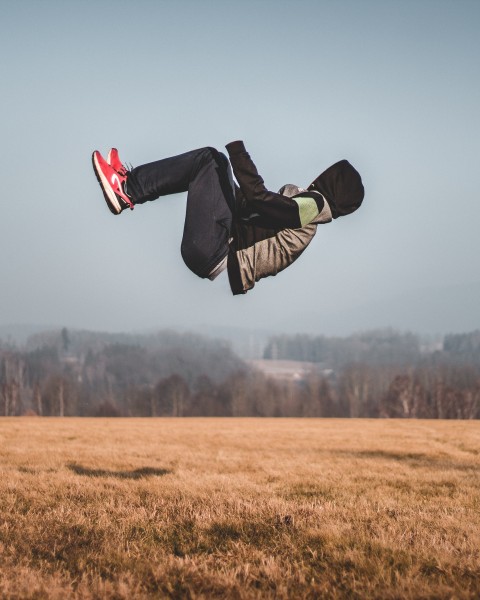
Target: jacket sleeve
point(276, 209)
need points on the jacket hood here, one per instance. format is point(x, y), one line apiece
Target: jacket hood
point(342, 187)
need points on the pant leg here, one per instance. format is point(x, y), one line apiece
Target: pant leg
point(206, 175)
point(167, 176)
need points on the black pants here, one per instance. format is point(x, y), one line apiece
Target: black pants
point(206, 175)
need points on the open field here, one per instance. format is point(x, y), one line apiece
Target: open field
point(239, 508)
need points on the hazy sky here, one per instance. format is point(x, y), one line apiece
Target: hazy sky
point(393, 86)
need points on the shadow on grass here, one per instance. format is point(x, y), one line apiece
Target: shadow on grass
point(417, 456)
point(135, 474)
point(414, 459)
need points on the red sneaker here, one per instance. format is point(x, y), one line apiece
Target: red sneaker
point(112, 184)
point(114, 161)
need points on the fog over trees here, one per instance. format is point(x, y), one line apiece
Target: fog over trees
point(373, 374)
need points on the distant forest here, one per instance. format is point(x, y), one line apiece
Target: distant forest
point(374, 374)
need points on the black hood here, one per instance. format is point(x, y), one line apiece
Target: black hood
point(342, 187)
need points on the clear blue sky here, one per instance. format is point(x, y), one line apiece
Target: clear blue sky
point(393, 86)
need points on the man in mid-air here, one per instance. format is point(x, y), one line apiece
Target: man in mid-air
point(244, 228)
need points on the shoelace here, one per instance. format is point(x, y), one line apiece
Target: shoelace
point(125, 168)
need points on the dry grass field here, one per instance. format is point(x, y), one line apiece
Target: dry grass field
point(239, 508)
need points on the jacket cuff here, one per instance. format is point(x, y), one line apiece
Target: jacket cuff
point(236, 147)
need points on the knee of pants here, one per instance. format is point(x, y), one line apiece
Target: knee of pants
point(210, 153)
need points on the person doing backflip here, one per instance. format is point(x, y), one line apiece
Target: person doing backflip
point(245, 228)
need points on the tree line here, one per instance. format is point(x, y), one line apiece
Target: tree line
point(377, 374)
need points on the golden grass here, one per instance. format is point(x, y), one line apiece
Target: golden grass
point(239, 508)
